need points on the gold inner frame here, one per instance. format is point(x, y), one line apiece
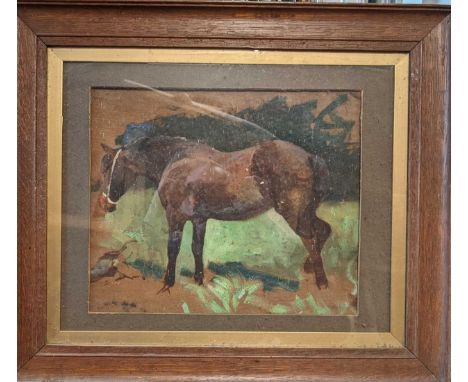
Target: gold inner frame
point(393, 339)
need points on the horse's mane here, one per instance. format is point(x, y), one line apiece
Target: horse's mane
point(162, 139)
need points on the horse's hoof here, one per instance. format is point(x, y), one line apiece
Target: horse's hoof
point(322, 283)
point(198, 279)
point(165, 288)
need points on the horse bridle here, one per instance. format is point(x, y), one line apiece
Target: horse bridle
point(106, 194)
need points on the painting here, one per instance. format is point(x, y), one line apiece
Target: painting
point(233, 202)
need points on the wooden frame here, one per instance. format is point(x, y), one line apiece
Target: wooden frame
point(394, 338)
point(423, 32)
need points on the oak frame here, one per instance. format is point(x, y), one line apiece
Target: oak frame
point(395, 336)
point(423, 32)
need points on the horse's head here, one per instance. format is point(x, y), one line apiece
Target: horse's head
point(117, 174)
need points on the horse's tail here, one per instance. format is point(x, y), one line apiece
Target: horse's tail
point(319, 190)
point(321, 183)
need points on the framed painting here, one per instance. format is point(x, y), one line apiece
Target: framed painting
point(189, 204)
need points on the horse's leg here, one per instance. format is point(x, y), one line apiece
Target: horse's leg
point(320, 232)
point(173, 247)
point(313, 231)
point(198, 239)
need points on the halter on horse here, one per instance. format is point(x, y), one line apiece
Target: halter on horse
point(106, 194)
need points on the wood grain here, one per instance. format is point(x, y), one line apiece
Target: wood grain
point(213, 352)
point(228, 22)
point(226, 43)
point(227, 369)
point(31, 251)
point(434, 204)
point(234, 3)
point(414, 189)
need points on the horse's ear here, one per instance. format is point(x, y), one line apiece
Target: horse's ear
point(107, 149)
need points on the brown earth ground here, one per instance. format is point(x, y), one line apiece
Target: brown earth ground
point(138, 294)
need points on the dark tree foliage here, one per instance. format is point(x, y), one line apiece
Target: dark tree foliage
point(323, 134)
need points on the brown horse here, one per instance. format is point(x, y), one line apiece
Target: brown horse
point(195, 183)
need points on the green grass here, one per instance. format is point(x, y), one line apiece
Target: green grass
point(224, 295)
point(185, 308)
point(262, 244)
